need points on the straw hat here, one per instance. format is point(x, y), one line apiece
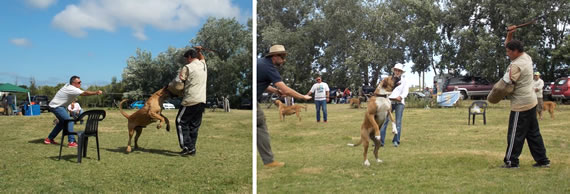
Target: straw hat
point(537, 73)
point(276, 50)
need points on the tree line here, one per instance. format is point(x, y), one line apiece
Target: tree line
point(351, 43)
point(229, 68)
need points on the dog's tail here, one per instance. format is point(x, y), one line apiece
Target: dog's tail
point(121, 108)
point(354, 145)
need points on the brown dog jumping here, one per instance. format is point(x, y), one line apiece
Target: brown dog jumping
point(149, 113)
point(379, 107)
point(289, 110)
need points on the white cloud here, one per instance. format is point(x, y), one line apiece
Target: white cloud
point(109, 15)
point(23, 42)
point(42, 4)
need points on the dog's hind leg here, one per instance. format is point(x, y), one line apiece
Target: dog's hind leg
point(131, 133)
point(365, 145)
point(376, 148)
point(298, 115)
point(372, 121)
point(139, 131)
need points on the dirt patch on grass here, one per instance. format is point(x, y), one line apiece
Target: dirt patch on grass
point(311, 170)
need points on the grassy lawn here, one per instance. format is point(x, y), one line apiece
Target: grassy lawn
point(439, 152)
point(222, 163)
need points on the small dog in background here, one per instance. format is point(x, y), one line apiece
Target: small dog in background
point(547, 106)
point(355, 102)
point(289, 110)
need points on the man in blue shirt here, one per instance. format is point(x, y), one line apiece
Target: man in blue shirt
point(266, 75)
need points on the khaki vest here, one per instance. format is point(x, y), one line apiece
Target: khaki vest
point(195, 75)
point(523, 97)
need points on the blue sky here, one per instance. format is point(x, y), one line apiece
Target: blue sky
point(51, 40)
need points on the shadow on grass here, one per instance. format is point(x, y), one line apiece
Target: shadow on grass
point(152, 151)
point(37, 141)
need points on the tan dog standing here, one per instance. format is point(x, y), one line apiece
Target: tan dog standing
point(379, 106)
point(289, 110)
point(547, 106)
point(354, 102)
point(149, 113)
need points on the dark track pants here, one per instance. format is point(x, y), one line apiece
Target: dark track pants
point(188, 122)
point(524, 125)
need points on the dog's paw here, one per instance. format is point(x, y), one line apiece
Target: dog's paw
point(129, 149)
point(377, 137)
point(379, 161)
point(394, 129)
point(366, 163)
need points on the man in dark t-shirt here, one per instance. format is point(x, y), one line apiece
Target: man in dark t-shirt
point(266, 75)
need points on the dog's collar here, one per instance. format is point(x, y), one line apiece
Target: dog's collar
point(381, 95)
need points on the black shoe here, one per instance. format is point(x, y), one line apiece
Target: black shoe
point(186, 152)
point(509, 166)
point(539, 165)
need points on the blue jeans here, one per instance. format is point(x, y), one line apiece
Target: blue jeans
point(62, 115)
point(75, 115)
point(399, 109)
point(323, 104)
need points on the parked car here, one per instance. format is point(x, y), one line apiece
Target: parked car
point(212, 102)
point(561, 89)
point(137, 104)
point(245, 104)
point(43, 101)
point(368, 90)
point(168, 106)
point(469, 86)
point(418, 95)
point(547, 90)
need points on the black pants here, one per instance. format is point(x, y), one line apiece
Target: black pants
point(524, 125)
point(188, 122)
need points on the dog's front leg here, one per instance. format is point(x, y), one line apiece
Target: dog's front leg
point(167, 122)
point(394, 127)
point(157, 116)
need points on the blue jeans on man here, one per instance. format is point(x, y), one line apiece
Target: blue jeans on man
point(62, 115)
point(398, 108)
point(321, 104)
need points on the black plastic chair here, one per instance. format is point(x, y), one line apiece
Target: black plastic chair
point(91, 129)
point(483, 107)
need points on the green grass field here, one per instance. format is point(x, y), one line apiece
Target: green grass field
point(439, 152)
point(223, 163)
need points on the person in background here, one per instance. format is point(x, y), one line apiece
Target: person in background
point(321, 90)
point(74, 109)
point(538, 84)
